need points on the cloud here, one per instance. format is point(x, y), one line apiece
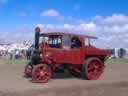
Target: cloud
point(3, 1)
point(115, 19)
point(110, 34)
point(19, 35)
point(112, 31)
point(51, 13)
point(88, 28)
point(116, 29)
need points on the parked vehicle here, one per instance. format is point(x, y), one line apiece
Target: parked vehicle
point(57, 51)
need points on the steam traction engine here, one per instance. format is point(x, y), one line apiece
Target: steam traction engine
point(56, 51)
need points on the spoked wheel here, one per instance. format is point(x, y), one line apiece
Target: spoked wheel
point(75, 70)
point(28, 70)
point(93, 68)
point(41, 73)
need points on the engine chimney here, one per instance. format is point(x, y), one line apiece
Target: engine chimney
point(37, 35)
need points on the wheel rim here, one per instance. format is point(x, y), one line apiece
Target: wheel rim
point(94, 70)
point(42, 74)
point(28, 70)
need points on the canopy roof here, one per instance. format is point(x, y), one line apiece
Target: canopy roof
point(71, 34)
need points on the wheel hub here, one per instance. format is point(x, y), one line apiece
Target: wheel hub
point(42, 73)
point(93, 69)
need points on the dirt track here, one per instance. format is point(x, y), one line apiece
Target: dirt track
point(114, 82)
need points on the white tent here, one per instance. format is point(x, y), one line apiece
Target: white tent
point(2, 48)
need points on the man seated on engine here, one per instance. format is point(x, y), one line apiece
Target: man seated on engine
point(76, 43)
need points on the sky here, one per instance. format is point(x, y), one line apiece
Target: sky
point(106, 19)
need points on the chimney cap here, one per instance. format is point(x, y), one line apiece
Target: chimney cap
point(37, 29)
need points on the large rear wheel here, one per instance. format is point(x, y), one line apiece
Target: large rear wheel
point(93, 68)
point(41, 73)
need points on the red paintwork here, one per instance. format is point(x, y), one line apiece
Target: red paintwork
point(73, 59)
point(90, 50)
point(71, 56)
point(46, 60)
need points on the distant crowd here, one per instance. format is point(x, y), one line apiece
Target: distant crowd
point(16, 54)
point(16, 50)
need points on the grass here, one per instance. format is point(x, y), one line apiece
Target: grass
point(13, 62)
point(6, 64)
point(6, 61)
point(117, 61)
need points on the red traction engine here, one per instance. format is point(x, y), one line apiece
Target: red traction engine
point(57, 51)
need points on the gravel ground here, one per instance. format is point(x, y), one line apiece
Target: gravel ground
point(114, 82)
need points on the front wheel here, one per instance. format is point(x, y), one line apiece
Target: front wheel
point(93, 69)
point(41, 73)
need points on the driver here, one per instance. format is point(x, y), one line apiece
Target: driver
point(76, 43)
